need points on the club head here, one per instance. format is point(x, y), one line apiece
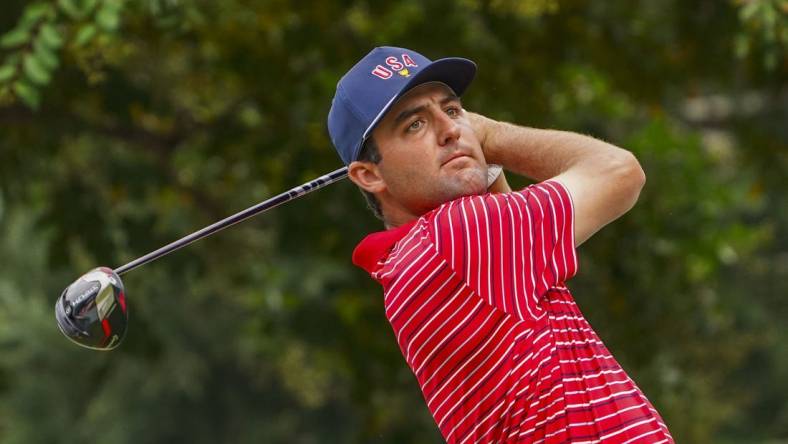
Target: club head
point(91, 311)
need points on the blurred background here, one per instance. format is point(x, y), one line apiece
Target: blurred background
point(125, 125)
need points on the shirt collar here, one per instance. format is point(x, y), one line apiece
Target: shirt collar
point(376, 246)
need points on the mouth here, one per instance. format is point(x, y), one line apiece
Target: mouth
point(455, 157)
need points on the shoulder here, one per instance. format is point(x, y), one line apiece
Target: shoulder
point(413, 247)
point(469, 208)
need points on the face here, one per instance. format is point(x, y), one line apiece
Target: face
point(429, 153)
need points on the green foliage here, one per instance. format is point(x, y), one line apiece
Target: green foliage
point(155, 118)
point(766, 22)
point(27, 93)
point(84, 34)
point(15, 38)
point(6, 72)
point(88, 25)
point(50, 37)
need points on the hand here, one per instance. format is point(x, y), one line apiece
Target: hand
point(480, 126)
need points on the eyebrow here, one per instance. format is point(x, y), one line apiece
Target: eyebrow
point(404, 114)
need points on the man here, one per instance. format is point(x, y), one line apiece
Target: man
point(474, 278)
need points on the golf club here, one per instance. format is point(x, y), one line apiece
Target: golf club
point(92, 311)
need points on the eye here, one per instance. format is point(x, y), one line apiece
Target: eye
point(415, 125)
point(453, 111)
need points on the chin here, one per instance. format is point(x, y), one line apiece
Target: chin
point(476, 179)
point(471, 182)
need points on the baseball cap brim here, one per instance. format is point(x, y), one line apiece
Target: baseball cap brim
point(456, 72)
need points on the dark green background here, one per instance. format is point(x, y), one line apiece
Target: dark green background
point(127, 124)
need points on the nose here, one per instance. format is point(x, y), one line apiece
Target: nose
point(448, 130)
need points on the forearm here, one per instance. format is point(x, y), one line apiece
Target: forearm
point(603, 180)
point(542, 154)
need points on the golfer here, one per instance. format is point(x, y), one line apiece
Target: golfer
point(473, 274)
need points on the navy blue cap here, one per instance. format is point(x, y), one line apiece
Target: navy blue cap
point(374, 84)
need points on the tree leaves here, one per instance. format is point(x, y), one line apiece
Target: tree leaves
point(45, 55)
point(265, 332)
point(75, 9)
point(766, 25)
point(108, 17)
point(35, 70)
point(15, 38)
point(28, 93)
point(50, 36)
point(40, 34)
point(6, 72)
point(85, 33)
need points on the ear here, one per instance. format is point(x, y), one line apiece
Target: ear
point(367, 176)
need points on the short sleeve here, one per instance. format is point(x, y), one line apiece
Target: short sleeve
point(512, 247)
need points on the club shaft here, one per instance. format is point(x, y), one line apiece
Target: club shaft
point(254, 210)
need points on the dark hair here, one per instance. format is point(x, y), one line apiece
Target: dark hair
point(369, 153)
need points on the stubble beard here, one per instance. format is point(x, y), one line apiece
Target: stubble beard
point(467, 182)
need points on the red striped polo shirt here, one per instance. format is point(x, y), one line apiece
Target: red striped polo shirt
point(475, 293)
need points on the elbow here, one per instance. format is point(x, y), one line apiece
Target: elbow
point(636, 175)
point(631, 179)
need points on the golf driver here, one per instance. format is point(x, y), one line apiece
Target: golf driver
point(92, 311)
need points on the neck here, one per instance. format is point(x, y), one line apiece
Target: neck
point(395, 215)
point(394, 222)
